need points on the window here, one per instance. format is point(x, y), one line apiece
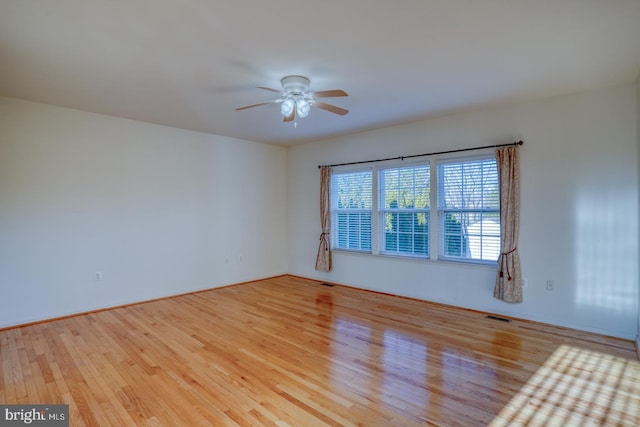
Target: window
point(469, 210)
point(404, 204)
point(386, 210)
point(351, 200)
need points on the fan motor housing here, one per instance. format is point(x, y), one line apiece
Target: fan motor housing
point(295, 85)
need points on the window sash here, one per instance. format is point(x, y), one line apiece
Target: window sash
point(472, 235)
point(404, 210)
point(405, 232)
point(468, 210)
point(351, 210)
point(352, 230)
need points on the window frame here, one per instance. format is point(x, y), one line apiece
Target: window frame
point(336, 211)
point(435, 251)
point(383, 210)
point(482, 212)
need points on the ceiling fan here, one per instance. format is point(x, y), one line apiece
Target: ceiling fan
point(297, 100)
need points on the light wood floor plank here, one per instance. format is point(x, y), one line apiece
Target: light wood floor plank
point(291, 352)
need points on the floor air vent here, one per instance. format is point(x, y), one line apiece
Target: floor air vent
point(502, 319)
point(327, 284)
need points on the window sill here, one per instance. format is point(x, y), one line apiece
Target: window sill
point(469, 261)
point(351, 251)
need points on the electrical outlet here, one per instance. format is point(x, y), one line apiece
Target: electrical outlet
point(97, 276)
point(550, 285)
point(525, 282)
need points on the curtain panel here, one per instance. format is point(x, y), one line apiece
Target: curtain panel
point(323, 259)
point(508, 286)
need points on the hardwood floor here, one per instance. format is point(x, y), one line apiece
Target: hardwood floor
point(291, 352)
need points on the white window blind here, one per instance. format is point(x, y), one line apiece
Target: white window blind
point(469, 210)
point(351, 208)
point(404, 210)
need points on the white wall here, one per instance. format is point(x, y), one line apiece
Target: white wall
point(579, 222)
point(156, 209)
point(638, 134)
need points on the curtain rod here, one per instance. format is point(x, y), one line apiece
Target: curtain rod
point(422, 155)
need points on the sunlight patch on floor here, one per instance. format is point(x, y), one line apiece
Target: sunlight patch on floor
point(575, 387)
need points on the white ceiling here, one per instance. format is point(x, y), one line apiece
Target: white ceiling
point(190, 63)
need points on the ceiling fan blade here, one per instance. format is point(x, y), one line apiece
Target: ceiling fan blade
point(330, 93)
point(290, 117)
point(269, 89)
point(255, 105)
point(331, 108)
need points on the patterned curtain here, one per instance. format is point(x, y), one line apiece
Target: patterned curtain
point(509, 277)
point(323, 260)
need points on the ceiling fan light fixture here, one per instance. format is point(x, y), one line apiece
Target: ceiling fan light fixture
point(286, 108)
point(302, 108)
point(297, 99)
